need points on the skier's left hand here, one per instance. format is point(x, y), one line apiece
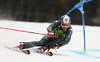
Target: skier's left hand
point(50, 45)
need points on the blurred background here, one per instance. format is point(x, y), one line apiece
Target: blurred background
point(48, 11)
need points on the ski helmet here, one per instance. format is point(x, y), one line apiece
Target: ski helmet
point(65, 19)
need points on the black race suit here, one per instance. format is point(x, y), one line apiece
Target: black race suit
point(61, 37)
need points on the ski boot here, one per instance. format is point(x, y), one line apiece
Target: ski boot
point(21, 47)
point(44, 50)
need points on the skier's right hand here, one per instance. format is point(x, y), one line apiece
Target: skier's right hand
point(51, 34)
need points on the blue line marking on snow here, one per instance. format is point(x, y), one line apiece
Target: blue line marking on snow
point(87, 31)
point(86, 54)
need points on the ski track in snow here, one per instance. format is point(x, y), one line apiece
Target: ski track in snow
point(73, 52)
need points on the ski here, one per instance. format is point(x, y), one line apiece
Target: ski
point(18, 50)
point(37, 50)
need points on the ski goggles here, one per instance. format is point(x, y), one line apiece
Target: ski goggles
point(64, 25)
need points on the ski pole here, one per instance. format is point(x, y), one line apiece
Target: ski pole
point(23, 31)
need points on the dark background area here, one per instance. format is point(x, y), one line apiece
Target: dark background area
point(48, 11)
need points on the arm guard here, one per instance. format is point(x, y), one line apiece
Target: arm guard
point(53, 25)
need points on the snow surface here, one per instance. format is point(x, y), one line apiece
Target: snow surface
point(73, 52)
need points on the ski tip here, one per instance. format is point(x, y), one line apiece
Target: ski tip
point(50, 53)
point(27, 52)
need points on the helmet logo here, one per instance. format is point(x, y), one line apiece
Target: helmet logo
point(66, 19)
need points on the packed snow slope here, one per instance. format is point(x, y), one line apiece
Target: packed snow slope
point(73, 52)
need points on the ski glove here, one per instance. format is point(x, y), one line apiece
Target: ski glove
point(51, 34)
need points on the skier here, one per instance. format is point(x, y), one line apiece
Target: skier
point(59, 34)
